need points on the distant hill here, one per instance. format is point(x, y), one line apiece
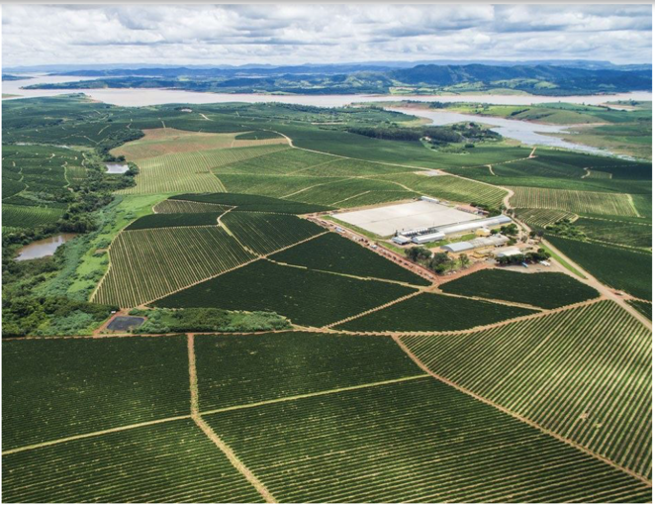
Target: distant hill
point(369, 78)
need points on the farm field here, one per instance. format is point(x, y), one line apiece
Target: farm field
point(61, 388)
point(26, 217)
point(579, 202)
point(180, 206)
point(148, 264)
point(251, 203)
point(619, 268)
point(264, 233)
point(625, 232)
point(329, 449)
point(279, 162)
point(175, 220)
point(239, 370)
point(307, 297)
point(645, 308)
point(434, 312)
point(170, 462)
point(173, 173)
point(334, 253)
point(574, 372)
point(545, 290)
point(542, 217)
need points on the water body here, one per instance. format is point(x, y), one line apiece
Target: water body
point(528, 133)
point(42, 248)
point(116, 169)
point(125, 323)
point(155, 96)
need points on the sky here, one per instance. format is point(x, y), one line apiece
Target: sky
point(296, 34)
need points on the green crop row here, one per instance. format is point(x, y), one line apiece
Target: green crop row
point(578, 373)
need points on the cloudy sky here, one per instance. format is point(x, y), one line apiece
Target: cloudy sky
point(295, 34)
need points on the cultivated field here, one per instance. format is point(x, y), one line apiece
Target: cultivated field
point(26, 217)
point(264, 233)
point(174, 173)
point(171, 462)
point(579, 202)
point(434, 312)
point(545, 290)
point(179, 206)
point(307, 297)
point(542, 217)
point(584, 374)
point(148, 264)
point(335, 253)
point(62, 388)
point(405, 442)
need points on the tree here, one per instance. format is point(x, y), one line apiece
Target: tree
point(441, 263)
point(463, 260)
point(418, 254)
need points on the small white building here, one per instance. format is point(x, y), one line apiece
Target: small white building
point(429, 237)
point(507, 252)
point(401, 240)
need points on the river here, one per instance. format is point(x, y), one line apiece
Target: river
point(154, 96)
point(528, 133)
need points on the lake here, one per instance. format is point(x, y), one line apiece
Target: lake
point(116, 169)
point(528, 133)
point(155, 96)
point(43, 248)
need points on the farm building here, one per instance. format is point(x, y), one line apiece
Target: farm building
point(510, 251)
point(478, 243)
point(401, 240)
point(429, 199)
point(439, 233)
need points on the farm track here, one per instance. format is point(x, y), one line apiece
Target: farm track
point(396, 337)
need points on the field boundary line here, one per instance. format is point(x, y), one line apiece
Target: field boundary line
point(314, 394)
point(95, 434)
point(517, 416)
point(209, 432)
point(376, 309)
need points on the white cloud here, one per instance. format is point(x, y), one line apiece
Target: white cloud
point(294, 34)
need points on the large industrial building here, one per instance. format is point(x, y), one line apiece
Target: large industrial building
point(439, 233)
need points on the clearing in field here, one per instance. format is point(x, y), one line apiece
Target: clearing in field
point(434, 312)
point(62, 388)
point(545, 290)
point(238, 370)
point(405, 442)
point(583, 373)
point(335, 253)
point(388, 220)
point(170, 462)
point(158, 142)
point(307, 297)
point(150, 263)
point(580, 202)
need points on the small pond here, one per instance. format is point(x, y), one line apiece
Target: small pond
point(116, 169)
point(125, 323)
point(43, 248)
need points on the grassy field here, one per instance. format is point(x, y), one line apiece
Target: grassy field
point(54, 389)
point(264, 233)
point(571, 372)
point(545, 290)
point(619, 268)
point(579, 202)
point(433, 312)
point(307, 297)
point(335, 253)
point(166, 463)
point(405, 442)
point(148, 264)
point(239, 370)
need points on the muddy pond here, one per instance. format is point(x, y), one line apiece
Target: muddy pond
point(42, 248)
point(116, 169)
